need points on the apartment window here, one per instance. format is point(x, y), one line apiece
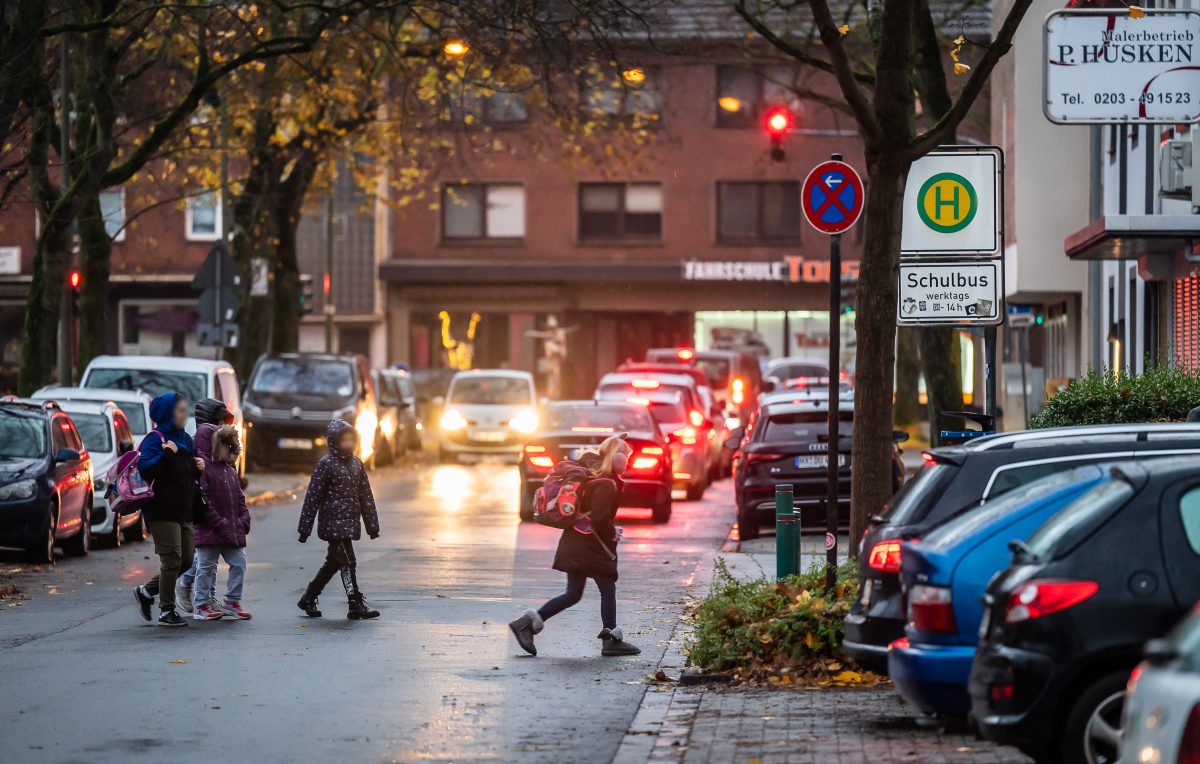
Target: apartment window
point(489, 107)
point(483, 211)
point(634, 92)
point(758, 212)
point(204, 217)
point(620, 211)
point(745, 94)
point(112, 210)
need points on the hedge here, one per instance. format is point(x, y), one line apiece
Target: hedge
point(1160, 394)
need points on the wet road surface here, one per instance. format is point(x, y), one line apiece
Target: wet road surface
point(436, 678)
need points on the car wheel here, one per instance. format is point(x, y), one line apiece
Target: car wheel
point(1093, 730)
point(82, 543)
point(747, 527)
point(138, 531)
point(42, 553)
point(526, 505)
point(695, 492)
point(662, 510)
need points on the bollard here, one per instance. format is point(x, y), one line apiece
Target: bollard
point(787, 533)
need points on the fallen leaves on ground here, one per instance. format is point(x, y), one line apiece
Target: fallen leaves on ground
point(177, 660)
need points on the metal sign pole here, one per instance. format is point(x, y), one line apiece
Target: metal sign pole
point(835, 447)
point(989, 372)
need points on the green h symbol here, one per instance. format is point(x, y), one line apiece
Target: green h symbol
point(939, 202)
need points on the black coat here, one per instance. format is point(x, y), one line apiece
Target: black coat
point(176, 486)
point(582, 553)
point(339, 495)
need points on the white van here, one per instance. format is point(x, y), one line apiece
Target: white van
point(487, 411)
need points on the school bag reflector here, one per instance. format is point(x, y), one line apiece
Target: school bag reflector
point(556, 502)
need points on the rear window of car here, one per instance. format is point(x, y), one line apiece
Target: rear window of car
point(135, 414)
point(387, 391)
point(789, 371)
point(916, 497)
point(95, 431)
point(497, 391)
point(598, 419)
point(801, 425)
point(22, 436)
point(1074, 522)
point(667, 413)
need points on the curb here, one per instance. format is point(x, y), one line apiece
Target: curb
point(271, 496)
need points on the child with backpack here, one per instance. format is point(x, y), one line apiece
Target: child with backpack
point(214, 412)
point(587, 547)
point(221, 532)
point(339, 499)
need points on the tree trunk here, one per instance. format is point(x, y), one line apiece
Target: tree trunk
point(285, 326)
point(907, 413)
point(941, 360)
point(871, 481)
point(40, 344)
point(95, 252)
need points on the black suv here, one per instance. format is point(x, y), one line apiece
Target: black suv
point(789, 443)
point(1064, 626)
point(45, 481)
point(955, 479)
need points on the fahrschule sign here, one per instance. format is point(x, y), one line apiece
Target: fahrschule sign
point(1109, 66)
point(793, 268)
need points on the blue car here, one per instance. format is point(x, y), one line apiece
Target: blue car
point(945, 575)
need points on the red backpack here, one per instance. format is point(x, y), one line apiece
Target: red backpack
point(557, 502)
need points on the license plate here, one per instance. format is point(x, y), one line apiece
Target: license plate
point(817, 462)
point(297, 443)
point(985, 623)
point(489, 436)
point(578, 452)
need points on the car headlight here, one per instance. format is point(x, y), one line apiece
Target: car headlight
point(22, 489)
point(249, 409)
point(525, 422)
point(452, 421)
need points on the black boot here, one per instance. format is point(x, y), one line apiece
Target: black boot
point(614, 643)
point(524, 628)
point(308, 602)
point(358, 610)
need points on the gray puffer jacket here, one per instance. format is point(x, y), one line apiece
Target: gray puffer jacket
point(339, 494)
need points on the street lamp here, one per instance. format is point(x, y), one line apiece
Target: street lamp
point(455, 48)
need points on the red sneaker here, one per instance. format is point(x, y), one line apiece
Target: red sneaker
point(234, 610)
point(205, 613)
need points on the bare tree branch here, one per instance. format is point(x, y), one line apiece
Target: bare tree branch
point(831, 38)
point(790, 49)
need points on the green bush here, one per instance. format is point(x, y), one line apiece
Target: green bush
point(1160, 394)
point(763, 626)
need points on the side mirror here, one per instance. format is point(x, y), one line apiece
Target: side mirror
point(735, 438)
point(124, 446)
point(1160, 652)
point(67, 455)
point(899, 436)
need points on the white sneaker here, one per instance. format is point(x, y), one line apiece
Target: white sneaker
point(183, 599)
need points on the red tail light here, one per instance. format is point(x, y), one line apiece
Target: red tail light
point(696, 418)
point(644, 463)
point(885, 556)
point(752, 458)
point(646, 384)
point(1038, 598)
point(544, 462)
point(739, 391)
point(685, 354)
point(930, 609)
point(1189, 747)
point(685, 435)
point(655, 450)
point(928, 458)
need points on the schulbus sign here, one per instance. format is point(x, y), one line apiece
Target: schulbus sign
point(1108, 66)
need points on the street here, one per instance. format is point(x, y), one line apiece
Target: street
point(437, 677)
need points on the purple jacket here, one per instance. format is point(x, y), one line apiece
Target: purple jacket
point(227, 520)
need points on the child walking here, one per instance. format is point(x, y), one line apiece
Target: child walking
point(589, 550)
point(221, 532)
point(214, 412)
point(339, 499)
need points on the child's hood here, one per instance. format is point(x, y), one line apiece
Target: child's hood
point(333, 434)
point(227, 445)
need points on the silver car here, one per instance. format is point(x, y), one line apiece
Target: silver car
point(1162, 711)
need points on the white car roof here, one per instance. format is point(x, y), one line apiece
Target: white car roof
point(102, 394)
point(625, 377)
point(157, 363)
point(83, 407)
point(514, 373)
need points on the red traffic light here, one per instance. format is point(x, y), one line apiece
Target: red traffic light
point(75, 279)
point(778, 122)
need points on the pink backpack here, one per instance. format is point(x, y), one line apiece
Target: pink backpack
point(128, 491)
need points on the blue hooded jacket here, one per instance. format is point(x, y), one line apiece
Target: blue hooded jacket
point(162, 411)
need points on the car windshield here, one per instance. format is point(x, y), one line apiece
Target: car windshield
point(788, 371)
point(22, 436)
point(917, 496)
point(496, 391)
point(405, 386)
point(971, 522)
point(387, 391)
point(309, 377)
point(717, 370)
point(151, 381)
point(1074, 522)
point(96, 433)
point(597, 419)
point(802, 425)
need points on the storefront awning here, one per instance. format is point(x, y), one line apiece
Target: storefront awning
point(1126, 237)
point(431, 271)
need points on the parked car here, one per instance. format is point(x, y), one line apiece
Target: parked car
point(291, 398)
point(194, 378)
point(1162, 710)
point(955, 479)
point(430, 387)
point(487, 412)
point(688, 448)
point(106, 436)
point(571, 429)
point(789, 443)
point(1065, 624)
point(411, 424)
point(390, 444)
point(45, 481)
point(943, 578)
point(134, 404)
point(736, 378)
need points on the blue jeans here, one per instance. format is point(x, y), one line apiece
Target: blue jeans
point(574, 593)
point(206, 572)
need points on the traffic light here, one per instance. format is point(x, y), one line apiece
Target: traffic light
point(74, 280)
point(1039, 319)
point(778, 124)
point(306, 298)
